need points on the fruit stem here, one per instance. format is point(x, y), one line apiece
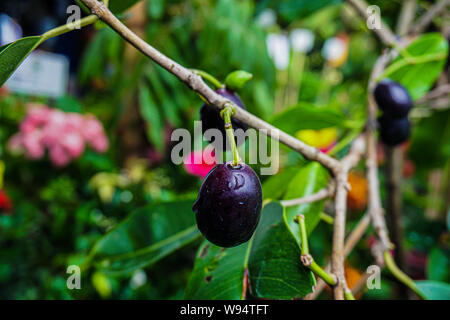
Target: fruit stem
point(400, 275)
point(307, 259)
point(226, 114)
point(68, 27)
point(210, 78)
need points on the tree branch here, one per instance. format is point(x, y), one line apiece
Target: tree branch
point(428, 17)
point(384, 33)
point(406, 16)
point(195, 82)
point(374, 202)
point(337, 257)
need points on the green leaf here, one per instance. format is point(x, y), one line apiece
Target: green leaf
point(427, 55)
point(275, 186)
point(165, 99)
point(307, 116)
point(150, 113)
point(434, 290)
point(237, 79)
point(218, 273)
point(155, 8)
point(428, 133)
point(295, 9)
point(438, 266)
point(12, 55)
point(146, 236)
point(118, 6)
point(275, 270)
point(69, 104)
point(308, 180)
point(270, 259)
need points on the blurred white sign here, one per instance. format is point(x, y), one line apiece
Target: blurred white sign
point(42, 74)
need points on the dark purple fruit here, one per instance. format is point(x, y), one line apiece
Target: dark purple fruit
point(393, 98)
point(394, 131)
point(229, 204)
point(211, 119)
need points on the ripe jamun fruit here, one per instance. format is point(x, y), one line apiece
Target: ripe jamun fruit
point(392, 98)
point(229, 204)
point(394, 131)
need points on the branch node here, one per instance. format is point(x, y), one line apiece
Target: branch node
point(306, 259)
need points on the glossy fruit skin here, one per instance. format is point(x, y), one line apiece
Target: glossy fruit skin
point(394, 131)
point(393, 98)
point(229, 205)
point(211, 119)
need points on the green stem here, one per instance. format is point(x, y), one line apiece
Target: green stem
point(348, 295)
point(307, 259)
point(226, 114)
point(326, 218)
point(68, 27)
point(400, 275)
point(321, 273)
point(303, 234)
point(213, 80)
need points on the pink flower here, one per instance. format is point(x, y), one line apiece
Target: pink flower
point(32, 142)
point(63, 134)
point(91, 128)
point(59, 156)
point(72, 141)
point(99, 143)
point(199, 163)
point(38, 114)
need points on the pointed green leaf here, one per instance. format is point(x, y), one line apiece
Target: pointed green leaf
point(146, 236)
point(275, 270)
point(275, 186)
point(271, 258)
point(307, 116)
point(237, 79)
point(419, 77)
point(218, 273)
point(308, 180)
point(434, 290)
point(12, 55)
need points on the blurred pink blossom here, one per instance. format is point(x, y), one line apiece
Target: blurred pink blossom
point(199, 163)
point(64, 134)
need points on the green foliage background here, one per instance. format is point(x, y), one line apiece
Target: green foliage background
point(143, 243)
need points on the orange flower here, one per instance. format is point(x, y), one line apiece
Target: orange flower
point(357, 196)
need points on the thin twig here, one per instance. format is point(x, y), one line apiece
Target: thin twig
point(351, 241)
point(324, 193)
point(384, 33)
point(340, 204)
point(406, 17)
point(195, 82)
point(374, 203)
point(428, 17)
point(440, 91)
point(374, 198)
